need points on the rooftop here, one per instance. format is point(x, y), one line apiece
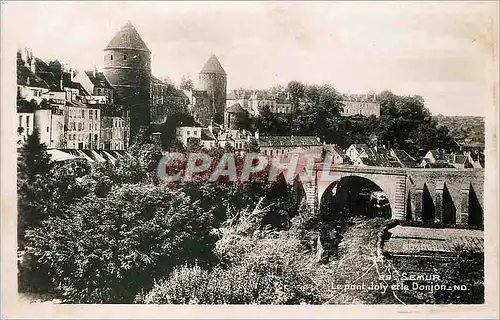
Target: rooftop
point(235, 108)
point(98, 79)
point(213, 66)
point(288, 141)
point(127, 38)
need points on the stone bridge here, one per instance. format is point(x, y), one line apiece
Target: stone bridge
point(447, 195)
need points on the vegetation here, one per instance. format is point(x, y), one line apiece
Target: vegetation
point(404, 123)
point(117, 234)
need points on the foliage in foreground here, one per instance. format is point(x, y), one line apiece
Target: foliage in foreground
point(105, 250)
point(257, 267)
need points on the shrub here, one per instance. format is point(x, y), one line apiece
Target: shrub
point(104, 250)
point(258, 267)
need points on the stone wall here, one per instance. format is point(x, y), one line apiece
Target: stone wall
point(414, 194)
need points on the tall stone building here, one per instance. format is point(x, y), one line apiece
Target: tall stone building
point(213, 80)
point(127, 66)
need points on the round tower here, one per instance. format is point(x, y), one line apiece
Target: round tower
point(127, 66)
point(235, 117)
point(213, 79)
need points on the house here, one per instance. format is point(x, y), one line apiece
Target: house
point(436, 156)
point(115, 127)
point(83, 126)
point(461, 161)
point(339, 156)
point(362, 155)
point(29, 85)
point(357, 150)
point(184, 133)
point(208, 139)
point(238, 139)
point(96, 85)
point(50, 122)
point(360, 105)
point(25, 126)
point(166, 100)
point(404, 158)
point(283, 145)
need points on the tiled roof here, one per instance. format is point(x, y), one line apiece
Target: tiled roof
point(288, 141)
point(27, 78)
point(360, 147)
point(206, 134)
point(50, 79)
point(127, 38)
point(41, 66)
point(213, 66)
point(459, 158)
point(236, 108)
point(98, 80)
point(200, 94)
point(338, 150)
point(405, 158)
point(438, 154)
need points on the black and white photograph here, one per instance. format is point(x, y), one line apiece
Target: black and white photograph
point(250, 153)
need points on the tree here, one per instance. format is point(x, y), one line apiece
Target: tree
point(267, 121)
point(296, 91)
point(33, 159)
point(186, 83)
point(106, 250)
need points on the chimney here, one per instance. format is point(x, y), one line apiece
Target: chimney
point(95, 71)
point(32, 65)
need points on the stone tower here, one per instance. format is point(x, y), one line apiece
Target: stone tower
point(213, 80)
point(127, 66)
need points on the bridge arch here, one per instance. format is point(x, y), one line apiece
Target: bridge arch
point(350, 195)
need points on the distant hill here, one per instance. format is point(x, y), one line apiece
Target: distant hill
point(465, 129)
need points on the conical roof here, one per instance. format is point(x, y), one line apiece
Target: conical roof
point(213, 66)
point(127, 38)
point(235, 108)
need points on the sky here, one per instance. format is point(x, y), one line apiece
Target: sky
point(444, 51)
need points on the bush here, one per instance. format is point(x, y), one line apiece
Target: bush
point(257, 267)
point(236, 285)
point(105, 250)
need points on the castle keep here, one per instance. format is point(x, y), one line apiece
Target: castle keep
point(127, 66)
point(213, 80)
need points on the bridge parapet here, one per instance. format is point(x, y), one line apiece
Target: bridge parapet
point(413, 193)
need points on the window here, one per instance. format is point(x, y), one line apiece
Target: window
point(83, 114)
point(111, 57)
point(90, 126)
point(27, 121)
point(124, 57)
point(95, 137)
point(47, 129)
point(90, 114)
point(99, 92)
point(95, 114)
point(20, 121)
point(79, 126)
point(188, 133)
